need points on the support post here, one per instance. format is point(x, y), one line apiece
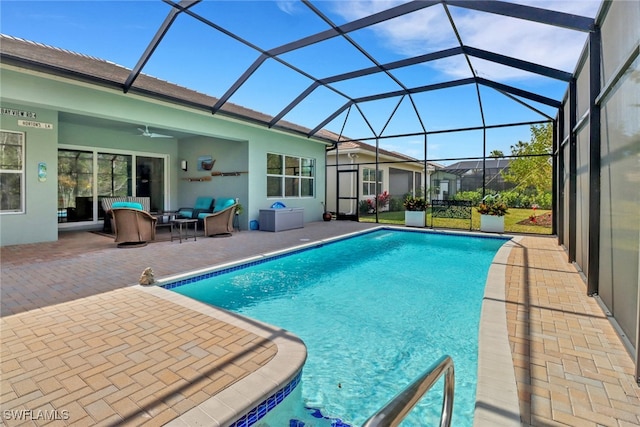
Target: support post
point(595, 46)
point(484, 161)
point(377, 172)
point(558, 205)
point(555, 148)
point(573, 167)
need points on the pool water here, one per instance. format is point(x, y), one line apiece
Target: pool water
point(375, 311)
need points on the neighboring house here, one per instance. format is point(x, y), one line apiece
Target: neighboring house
point(352, 176)
point(71, 136)
point(467, 176)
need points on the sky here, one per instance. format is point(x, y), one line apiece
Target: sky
point(195, 55)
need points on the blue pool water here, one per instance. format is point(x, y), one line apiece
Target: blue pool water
point(375, 311)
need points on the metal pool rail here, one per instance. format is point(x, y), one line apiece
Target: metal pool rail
point(394, 411)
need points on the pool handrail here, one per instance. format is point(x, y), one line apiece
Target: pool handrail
point(394, 411)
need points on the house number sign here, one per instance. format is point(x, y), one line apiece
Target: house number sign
point(18, 113)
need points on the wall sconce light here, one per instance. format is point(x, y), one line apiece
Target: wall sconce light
point(183, 165)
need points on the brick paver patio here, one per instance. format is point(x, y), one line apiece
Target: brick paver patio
point(571, 366)
point(121, 357)
point(78, 339)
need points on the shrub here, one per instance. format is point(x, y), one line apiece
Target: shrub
point(544, 200)
point(415, 204)
point(363, 207)
point(493, 205)
point(515, 199)
point(396, 204)
point(383, 199)
point(474, 196)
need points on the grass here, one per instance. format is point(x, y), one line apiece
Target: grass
point(510, 222)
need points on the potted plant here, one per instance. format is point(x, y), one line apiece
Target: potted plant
point(414, 214)
point(326, 215)
point(492, 211)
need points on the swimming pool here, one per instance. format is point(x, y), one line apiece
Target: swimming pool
point(374, 311)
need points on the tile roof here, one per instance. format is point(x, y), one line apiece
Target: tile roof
point(359, 145)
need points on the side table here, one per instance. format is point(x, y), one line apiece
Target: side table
point(183, 224)
point(164, 218)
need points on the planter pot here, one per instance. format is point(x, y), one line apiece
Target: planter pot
point(414, 218)
point(492, 223)
point(326, 216)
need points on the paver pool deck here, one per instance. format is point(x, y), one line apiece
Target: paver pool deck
point(81, 341)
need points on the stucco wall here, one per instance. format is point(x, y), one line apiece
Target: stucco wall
point(280, 143)
point(237, 146)
point(38, 222)
point(230, 156)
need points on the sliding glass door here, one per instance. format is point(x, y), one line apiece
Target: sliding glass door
point(86, 176)
point(114, 174)
point(75, 186)
point(150, 181)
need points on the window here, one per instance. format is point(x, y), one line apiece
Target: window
point(11, 171)
point(369, 182)
point(289, 176)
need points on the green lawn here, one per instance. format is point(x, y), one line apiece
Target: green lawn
point(510, 222)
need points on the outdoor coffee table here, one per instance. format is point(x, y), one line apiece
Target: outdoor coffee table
point(182, 225)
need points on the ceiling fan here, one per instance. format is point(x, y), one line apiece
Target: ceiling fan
point(145, 132)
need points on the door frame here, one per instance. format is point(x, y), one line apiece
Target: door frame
point(134, 154)
point(343, 216)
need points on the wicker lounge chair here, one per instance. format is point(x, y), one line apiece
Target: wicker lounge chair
point(109, 203)
point(220, 222)
point(133, 227)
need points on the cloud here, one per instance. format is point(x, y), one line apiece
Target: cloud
point(429, 30)
point(411, 34)
point(287, 6)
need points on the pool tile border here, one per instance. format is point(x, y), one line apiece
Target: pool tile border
point(183, 279)
point(175, 281)
point(264, 407)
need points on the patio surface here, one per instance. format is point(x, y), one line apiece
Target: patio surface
point(79, 342)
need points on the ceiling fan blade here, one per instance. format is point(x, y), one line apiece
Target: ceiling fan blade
point(145, 132)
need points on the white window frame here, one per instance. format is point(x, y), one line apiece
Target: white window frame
point(369, 172)
point(21, 172)
point(283, 176)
